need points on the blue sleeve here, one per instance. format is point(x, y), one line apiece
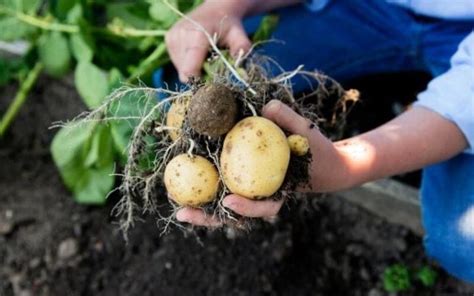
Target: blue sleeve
point(452, 93)
point(316, 5)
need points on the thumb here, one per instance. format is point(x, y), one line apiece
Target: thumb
point(236, 39)
point(287, 119)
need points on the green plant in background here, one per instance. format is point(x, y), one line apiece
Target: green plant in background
point(427, 276)
point(106, 44)
point(396, 278)
point(399, 278)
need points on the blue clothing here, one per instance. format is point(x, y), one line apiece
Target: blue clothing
point(447, 196)
point(451, 94)
point(446, 9)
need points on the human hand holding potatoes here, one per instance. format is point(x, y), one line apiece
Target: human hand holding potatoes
point(290, 121)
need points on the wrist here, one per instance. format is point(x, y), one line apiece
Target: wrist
point(330, 170)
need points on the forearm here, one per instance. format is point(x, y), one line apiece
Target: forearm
point(417, 138)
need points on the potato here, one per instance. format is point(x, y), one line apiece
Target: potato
point(175, 117)
point(255, 158)
point(191, 181)
point(213, 110)
point(299, 145)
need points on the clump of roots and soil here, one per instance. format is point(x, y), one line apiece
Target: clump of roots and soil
point(193, 124)
point(189, 129)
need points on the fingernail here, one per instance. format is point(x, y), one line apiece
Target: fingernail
point(272, 106)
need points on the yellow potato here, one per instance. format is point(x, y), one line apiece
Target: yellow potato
point(191, 181)
point(175, 117)
point(299, 145)
point(255, 158)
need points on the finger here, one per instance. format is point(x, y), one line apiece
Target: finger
point(193, 55)
point(237, 40)
point(172, 45)
point(286, 118)
point(197, 217)
point(252, 208)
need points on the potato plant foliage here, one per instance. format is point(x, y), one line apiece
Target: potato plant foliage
point(104, 44)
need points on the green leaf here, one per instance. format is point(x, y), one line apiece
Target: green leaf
point(266, 28)
point(187, 5)
point(94, 185)
point(396, 278)
point(115, 79)
point(161, 13)
point(69, 142)
point(427, 276)
point(27, 6)
point(53, 51)
point(134, 14)
point(61, 8)
point(75, 14)
point(130, 106)
point(101, 150)
point(91, 83)
point(12, 29)
point(81, 50)
point(10, 69)
point(90, 181)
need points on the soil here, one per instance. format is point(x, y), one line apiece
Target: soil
point(49, 245)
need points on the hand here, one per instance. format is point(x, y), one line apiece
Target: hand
point(289, 120)
point(188, 45)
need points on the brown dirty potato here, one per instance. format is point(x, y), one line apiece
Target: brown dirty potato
point(213, 110)
point(191, 180)
point(255, 158)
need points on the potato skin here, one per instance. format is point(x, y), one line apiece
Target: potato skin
point(213, 110)
point(175, 117)
point(299, 145)
point(255, 158)
point(191, 181)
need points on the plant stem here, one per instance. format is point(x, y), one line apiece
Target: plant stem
point(132, 32)
point(36, 21)
point(149, 63)
point(20, 98)
point(46, 25)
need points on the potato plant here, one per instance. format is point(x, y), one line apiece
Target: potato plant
point(104, 44)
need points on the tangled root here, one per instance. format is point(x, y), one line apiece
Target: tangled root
point(151, 146)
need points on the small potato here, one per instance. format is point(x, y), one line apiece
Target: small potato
point(191, 181)
point(175, 117)
point(299, 145)
point(255, 158)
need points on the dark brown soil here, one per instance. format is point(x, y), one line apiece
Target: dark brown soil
point(51, 246)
